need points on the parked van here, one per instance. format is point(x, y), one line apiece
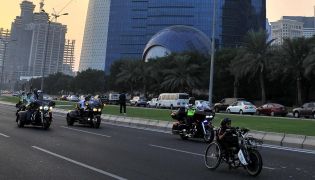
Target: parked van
point(172, 100)
point(113, 98)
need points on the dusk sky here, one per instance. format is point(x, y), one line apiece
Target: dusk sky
point(77, 9)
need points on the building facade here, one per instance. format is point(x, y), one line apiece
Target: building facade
point(68, 58)
point(39, 42)
point(120, 29)
point(286, 28)
point(308, 24)
point(4, 40)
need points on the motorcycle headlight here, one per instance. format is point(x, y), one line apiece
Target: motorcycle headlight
point(99, 110)
point(209, 117)
point(50, 108)
point(40, 107)
point(46, 108)
point(94, 109)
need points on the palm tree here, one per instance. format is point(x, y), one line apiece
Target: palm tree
point(252, 58)
point(299, 61)
point(185, 77)
point(128, 74)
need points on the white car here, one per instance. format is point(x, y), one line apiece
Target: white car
point(73, 98)
point(241, 107)
point(152, 103)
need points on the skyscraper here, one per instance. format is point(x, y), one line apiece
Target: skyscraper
point(4, 38)
point(68, 58)
point(36, 41)
point(117, 29)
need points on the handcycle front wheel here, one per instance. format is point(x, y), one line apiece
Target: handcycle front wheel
point(213, 156)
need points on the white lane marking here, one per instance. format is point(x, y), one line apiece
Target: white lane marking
point(177, 150)
point(80, 164)
point(196, 154)
point(103, 135)
point(4, 135)
point(289, 149)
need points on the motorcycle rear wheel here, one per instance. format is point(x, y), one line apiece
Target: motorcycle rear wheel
point(213, 156)
point(255, 166)
point(20, 122)
point(70, 121)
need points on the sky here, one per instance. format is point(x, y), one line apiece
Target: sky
point(77, 10)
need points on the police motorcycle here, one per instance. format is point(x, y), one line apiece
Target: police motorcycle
point(90, 115)
point(242, 153)
point(193, 123)
point(37, 113)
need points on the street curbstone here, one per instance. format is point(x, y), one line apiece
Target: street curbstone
point(309, 143)
point(292, 140)
point(257, 134)
point(273, 138)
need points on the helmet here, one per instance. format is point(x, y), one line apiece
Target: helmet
point(88, 97)
point(225, 121)
point(191, 101)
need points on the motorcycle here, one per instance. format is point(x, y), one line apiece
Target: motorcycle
point(200, 128)
point(38, 113)
point(91, 115)
point(244, 154)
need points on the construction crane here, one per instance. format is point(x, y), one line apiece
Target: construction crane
point(55, 14)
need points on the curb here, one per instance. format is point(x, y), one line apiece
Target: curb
point(279, 139)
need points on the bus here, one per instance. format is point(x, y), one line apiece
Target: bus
point(172, 100)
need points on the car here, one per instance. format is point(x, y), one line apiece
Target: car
point(138, 101)
point(272, 109)
point(47, 97)
point(63, 97)
point(16, 94)
point(307, 110)
point(202, 103)
point(73, 98)
point(241, 107)
point(152, 103)
point(224, 103)
point(104, 99)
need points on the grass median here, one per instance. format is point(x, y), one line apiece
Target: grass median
point(259, 123)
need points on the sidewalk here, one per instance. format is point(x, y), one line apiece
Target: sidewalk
point(279, 139)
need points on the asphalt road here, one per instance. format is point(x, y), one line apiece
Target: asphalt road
point(114, 152)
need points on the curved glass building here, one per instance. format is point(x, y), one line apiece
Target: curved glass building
point(120, 29)
point(177, 39)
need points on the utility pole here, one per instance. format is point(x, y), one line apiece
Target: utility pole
point(212, 54)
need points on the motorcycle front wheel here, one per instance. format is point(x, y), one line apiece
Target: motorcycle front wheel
point(97, 122)
point(255, 166)
point(209, 136)
point(46, 123)
point(213, 156)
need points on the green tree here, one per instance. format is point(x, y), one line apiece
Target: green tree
point(298, 61)
point(90, 81)
point(252, 59)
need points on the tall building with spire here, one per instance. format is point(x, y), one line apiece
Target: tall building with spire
point(39, 46)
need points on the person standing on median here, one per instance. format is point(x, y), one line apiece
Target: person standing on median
point(122, 102)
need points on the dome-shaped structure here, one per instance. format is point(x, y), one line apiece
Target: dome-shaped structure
point(176, 39)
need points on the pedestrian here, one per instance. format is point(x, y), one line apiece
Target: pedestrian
point(122, 102)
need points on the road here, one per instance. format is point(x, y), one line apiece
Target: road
point(115, 152)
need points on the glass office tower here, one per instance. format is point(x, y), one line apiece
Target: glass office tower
point(130, 24)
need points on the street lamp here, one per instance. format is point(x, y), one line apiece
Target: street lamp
point(212, 53)
point(46, 46)
point(5, 42)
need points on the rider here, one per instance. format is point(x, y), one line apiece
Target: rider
point(226, 136)
point(82, 104)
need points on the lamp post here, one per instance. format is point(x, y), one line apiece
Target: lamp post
point(46, 46)
point(5, 42)
point(212, 53)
